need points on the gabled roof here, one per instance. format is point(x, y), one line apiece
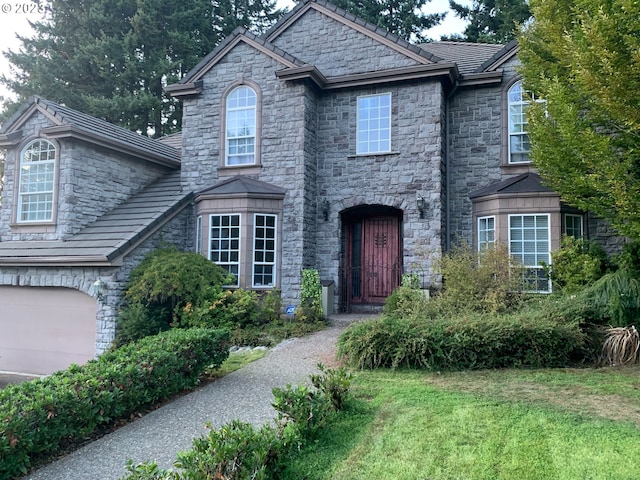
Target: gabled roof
point(378, 33)
point(241, 185)
point(525, 183)
point(107, 240)
point(72, 123)
point(190, 83)
point(500, 57)
point(468, 56)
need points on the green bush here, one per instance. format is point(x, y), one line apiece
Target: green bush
point(470, 341)
point(39, 417)
point(238, 451)
point(486, 281)
point(161, 286)
point(237, 308)
point(408, 300)
point(270, 306)
point(577, 263)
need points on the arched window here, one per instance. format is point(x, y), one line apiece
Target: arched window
point(519, 145)
point(240, 138)
point(36, 182)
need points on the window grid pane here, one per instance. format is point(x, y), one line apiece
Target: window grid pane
point(241, 127)
point(486, 232)
point(224, 245)
point(519, 144)
point(529, 243)
point(36, 183)
point(374, 124)
point(264, 250)
point(573, 226)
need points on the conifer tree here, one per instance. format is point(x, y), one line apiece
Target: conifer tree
point(111, 58)
point(492, 21)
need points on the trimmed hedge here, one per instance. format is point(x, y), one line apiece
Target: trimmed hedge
point(40, 417)
point(472, 341)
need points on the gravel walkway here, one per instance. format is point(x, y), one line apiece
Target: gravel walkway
point(244, 394)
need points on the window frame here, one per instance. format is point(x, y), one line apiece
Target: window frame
point(485, 244)
point(225, 138)
point(238, 250)
point(274, 251)
point(574, 216)
point(381, 128)
point(520, 255)
point(198, 243)
point(52, 191)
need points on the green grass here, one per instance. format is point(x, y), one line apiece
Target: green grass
point(494, 425)
point(236, 361)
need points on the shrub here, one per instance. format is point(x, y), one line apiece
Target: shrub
point(614, 299)
point(486, 281)
point(164, 283)
point(39, 417)
point(237, 308)
point(310, 309)
point(471, 341)
point(270, 306)
point(577, 263)
point(622, 346)
point(407, 300)
point(238, 451)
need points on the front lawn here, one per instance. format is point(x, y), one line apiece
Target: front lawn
point(484, 425)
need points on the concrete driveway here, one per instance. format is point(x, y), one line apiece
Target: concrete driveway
point(10, 378)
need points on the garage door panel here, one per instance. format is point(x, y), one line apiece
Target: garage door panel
point(45, 329)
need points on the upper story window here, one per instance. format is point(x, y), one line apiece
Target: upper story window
point(374, 124)
point(36, 182)
point(519, 145)
point(240, 138)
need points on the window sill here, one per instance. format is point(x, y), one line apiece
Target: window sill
point(229, 171)
point(35, 227)
point(381, 154)
point(517, 168)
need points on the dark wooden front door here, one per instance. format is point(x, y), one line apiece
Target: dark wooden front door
point(373, 258)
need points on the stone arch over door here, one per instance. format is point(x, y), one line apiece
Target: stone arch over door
point(371, 255)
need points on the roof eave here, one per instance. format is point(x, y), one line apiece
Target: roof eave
point(70, 131)
point(479, 79)
point(182, 90)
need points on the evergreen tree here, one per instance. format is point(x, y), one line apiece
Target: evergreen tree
point(491, 21)
point(111, 58)
point(403, 18)
point(582, 57)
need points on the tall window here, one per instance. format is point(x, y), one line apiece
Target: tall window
point(240, 135)
point(519, 145)
point(486, 232)
point(224, 243)
point(573, 225)
point(36, 183)
point(529, 243)
point(264, 250)
point(374, 124)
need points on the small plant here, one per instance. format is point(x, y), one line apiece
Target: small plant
point(310, 309)
point(271, 306)
point(621, 346)
point(333, 384)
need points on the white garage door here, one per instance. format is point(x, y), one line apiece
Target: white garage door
point(45, 329)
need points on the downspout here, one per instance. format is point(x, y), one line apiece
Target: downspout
point(447, 168)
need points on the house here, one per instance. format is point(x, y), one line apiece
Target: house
point(326, 142)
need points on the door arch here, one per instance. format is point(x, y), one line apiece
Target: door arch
point(371, 266)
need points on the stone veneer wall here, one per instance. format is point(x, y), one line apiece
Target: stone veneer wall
point(347, 180)
point(175, 232)
point(286, 140)
point(336, 49)
point(90, 182)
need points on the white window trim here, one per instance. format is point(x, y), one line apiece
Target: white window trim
point(525, 133)
point(486, 217)
point(239, 262)
point(199, 234)
point(548, 215)
point(573, 215)
point(226, 127)
point(52, 192)
point(275, 252)
point(388, 127)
